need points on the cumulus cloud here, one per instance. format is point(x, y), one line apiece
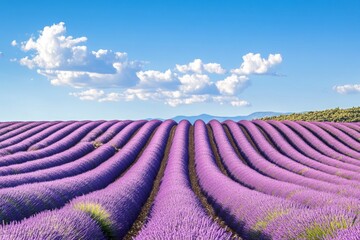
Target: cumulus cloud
point(105, 75)
point(194, 83)
point(232, 84)
point(91, 94)
point(348, 88)
point(66, 60)
point(157, 79)
point(253, 63)
point(197, 66)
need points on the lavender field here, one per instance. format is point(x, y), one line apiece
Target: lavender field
point(162, 180)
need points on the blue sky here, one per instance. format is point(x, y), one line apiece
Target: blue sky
point(168, 58)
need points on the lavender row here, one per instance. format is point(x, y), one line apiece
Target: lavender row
point(71, 168)
point(24, 135)
point(75, 152)
point(354, 126)
point(287, 149)
point(17, 129)
point(254, 180)
point(253, 214)
point(118, 141)
point(58, 159)
point(91, 136)
point(351, 132)
point(117, 206)
point(23, 201)
point(28, 141)
point(295, 141)
point(123, 199)
point(7, 126)
point(64, 224)
point(273, 155)
point(319, 145)
point(57, 147)
point(111, 132)
point(262, 165)
point(57, 136)
point(340, 135)
point(329, 140)
point(12, 126)
point(176, 212)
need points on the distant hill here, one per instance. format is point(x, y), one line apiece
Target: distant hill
point(206, 118)
point(331, 115)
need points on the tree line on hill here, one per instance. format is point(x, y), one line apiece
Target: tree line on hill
point(329, 115)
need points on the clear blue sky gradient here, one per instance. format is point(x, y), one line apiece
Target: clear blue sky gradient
point(318, 40)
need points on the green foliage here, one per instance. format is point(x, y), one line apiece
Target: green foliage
point(330, 115)
point(98, 213)
point(320, 231)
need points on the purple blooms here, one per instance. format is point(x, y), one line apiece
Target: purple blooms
point(258, 179)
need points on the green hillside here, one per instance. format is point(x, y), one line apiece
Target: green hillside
point(332, 115)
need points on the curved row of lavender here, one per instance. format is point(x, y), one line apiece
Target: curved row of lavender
point(176, 212)
point(263, 179)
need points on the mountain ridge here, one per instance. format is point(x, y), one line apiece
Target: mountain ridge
point(207, 117)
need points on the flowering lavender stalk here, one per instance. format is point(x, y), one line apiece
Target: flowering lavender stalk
point(312, 224)
point(176, 212)
point(351, 233)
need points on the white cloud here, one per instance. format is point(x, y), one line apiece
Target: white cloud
point(197, 66)
point(66, 60)
point(124, 76)
point(232, 100)
point(232, 84)
point(348, 88)
point(157, 79)
point(214, 68)
point(54, 50)
point(91, 94)
point(253, 63)
point(240, 103)
point(105, 75)
point(194, 82)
